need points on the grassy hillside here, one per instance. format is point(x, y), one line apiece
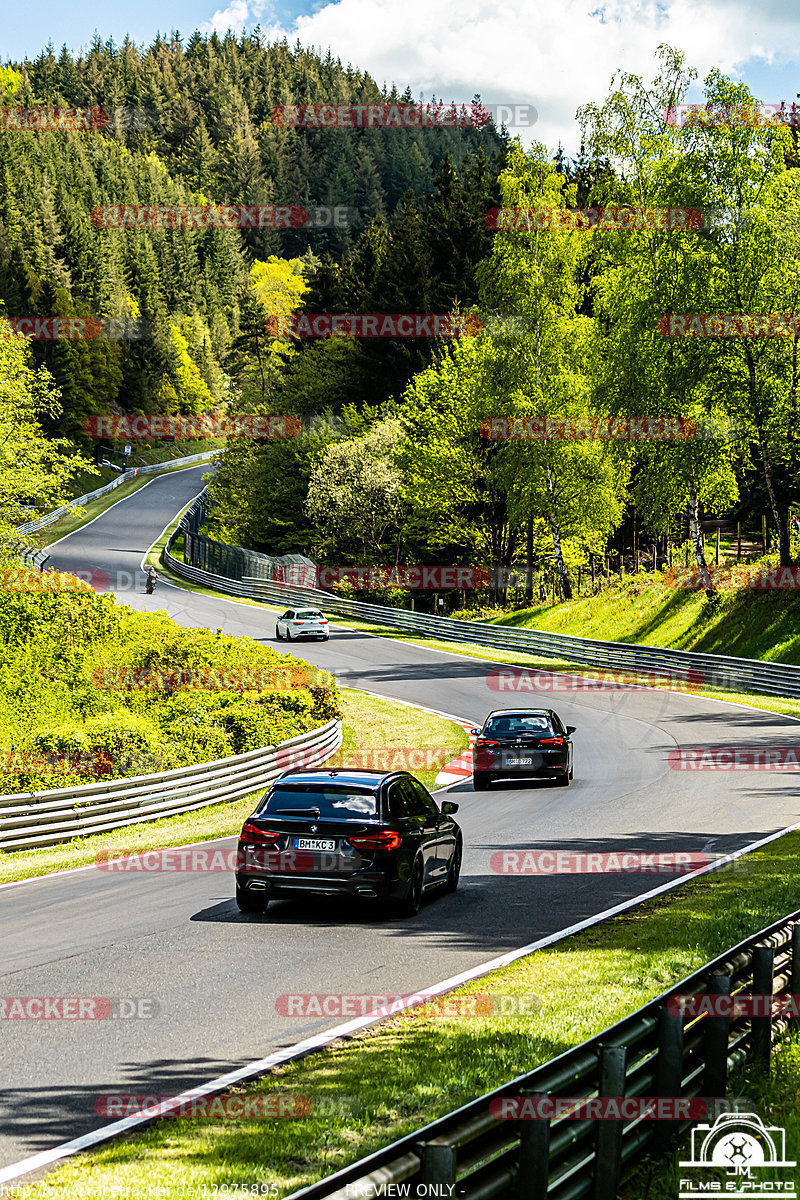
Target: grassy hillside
point(745, 623)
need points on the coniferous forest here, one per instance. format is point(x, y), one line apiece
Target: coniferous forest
point(191, 124)
point(391, 466)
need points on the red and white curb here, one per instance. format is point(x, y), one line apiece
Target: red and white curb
point(460, 768)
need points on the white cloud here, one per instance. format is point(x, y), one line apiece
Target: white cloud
point(555, 56)
point(237, 16)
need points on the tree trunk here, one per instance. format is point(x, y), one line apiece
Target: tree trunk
point(697, 541)
point(565, 587)
point(529, 563)
point(778, 510)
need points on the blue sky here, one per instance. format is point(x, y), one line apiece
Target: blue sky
point(554, 56)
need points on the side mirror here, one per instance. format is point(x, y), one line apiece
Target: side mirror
point(449, 807)
point(474, 732)
point(570, 729)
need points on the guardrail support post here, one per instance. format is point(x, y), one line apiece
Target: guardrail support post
point(438, 1161)
point(794, 977)
point(763, 985)
point(534, 1157)
point(669, 1069)
point(608, 1144)
point(715, 1042)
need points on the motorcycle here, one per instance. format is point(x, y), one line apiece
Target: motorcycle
point(150, 586)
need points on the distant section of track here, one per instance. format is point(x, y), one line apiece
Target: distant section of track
point(179, 938)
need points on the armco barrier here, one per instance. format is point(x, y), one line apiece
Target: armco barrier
point(710, 670)
point(657, 1051)
point(152, 469)
point(30, 819)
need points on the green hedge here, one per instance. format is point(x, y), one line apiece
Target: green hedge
point(90, 689)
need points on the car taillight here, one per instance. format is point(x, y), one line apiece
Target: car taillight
point(386, 839)
point(257, 836)
point(554, 741)
point(481, 742)
point(298, 622)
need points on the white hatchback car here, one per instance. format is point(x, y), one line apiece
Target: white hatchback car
point(301, 622)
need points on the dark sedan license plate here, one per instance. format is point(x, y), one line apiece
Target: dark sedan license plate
point(519, 762)
point(314, 844)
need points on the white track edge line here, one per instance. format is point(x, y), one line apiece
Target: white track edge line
point(320, 1041)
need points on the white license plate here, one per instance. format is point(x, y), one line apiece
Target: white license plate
point(519, 762)
point(314, 844)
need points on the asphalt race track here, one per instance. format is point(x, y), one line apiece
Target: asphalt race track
point(216, 974)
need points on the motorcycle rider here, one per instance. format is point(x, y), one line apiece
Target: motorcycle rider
point(151, 580)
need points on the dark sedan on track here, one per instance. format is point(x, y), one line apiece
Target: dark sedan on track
point(522, 743)
point(365, 834)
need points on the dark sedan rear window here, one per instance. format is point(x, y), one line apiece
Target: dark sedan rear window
point(510, 726)
point(331, 802)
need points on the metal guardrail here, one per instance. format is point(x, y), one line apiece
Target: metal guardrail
point(656, 1051)
point(235, 562)
point(685, 669)
point(31, 819)
point(32, 556)
point(152, 469)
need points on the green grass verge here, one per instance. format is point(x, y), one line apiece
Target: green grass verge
point(388, 1081)
point(366, 719)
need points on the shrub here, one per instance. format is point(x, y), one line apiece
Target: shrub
point(126, 744)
